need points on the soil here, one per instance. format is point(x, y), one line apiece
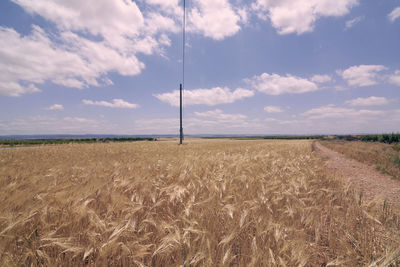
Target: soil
point(365, 178)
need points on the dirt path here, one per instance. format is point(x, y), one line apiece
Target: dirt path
point(372, 183)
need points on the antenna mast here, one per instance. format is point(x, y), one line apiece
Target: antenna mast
point(182, 85)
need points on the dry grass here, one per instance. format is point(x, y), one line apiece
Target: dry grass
point(225, 203)
point(385, 157)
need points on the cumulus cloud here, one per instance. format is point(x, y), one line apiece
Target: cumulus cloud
point(299, 16)
point(56, 107)
point(35, 59)
point(117, 103)
point(368, 101)
point(395, 78)
point(351, 23)
point(321, 78)
point(395, 14)
point(273, 109)
point(99, 18)
point(172, 8)
point(244, 15)
point(112, 20)
point(274, 84)
point(334, 112)
point(9, 87)
point(90, 39)
point(209, 97)
point(214, 18)
point(362, 75)
point(119, 24)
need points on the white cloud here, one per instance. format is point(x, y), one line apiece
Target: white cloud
point(218, 114)
point(362, 75)
point(368, 101)
point(91, 39)
point(395, 78)
point(117, 103)
point(351, 23)
point(102, 58)
point(35, 59)
point(32, 59)
point(321, 78)
point(243, 14)
point(156, 22)
point(169, 7)
point(273, 109)
point(299, 16)
point(164, 3)
point(120, 24)
point(334, 112)
point(274, 84)
point(209, 97)
point(111, 20)
point(56, 107)
point(214, 18)
point(395, 14)
point(8, 87)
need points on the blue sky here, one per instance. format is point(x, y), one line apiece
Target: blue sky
point(252, 67)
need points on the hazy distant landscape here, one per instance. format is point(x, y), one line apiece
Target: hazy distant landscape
point(20, 140)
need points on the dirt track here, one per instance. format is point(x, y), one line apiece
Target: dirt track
point(373, 184)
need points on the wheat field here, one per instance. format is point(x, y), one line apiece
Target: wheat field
point(206, 203)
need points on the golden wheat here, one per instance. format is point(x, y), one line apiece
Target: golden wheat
point(222, 203)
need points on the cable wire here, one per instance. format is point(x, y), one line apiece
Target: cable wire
point(184, 43)
point(183, 55)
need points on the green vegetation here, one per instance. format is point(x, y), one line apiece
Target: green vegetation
point(397, 161)
point(30, 142)
point(383, 138)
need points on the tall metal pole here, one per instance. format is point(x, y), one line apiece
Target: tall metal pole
point(183, 71)
point(181, 128)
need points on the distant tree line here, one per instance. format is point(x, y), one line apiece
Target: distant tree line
point(29, 142)
point(383, 138)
